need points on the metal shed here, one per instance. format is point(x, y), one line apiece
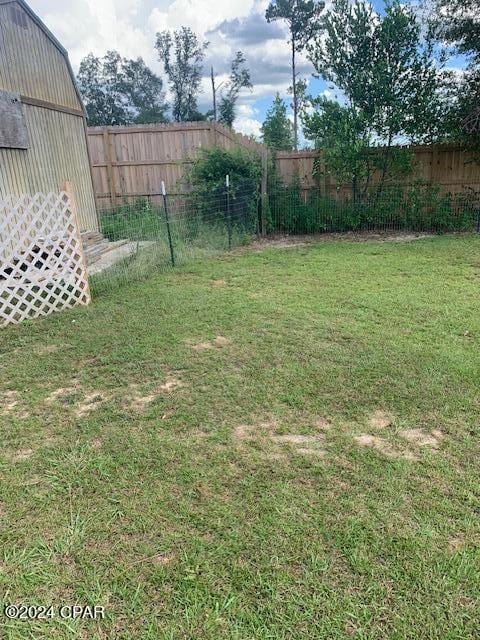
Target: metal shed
point(42, 119)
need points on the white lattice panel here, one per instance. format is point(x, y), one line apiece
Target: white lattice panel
point(42, 267)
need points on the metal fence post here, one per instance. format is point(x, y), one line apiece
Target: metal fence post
point(229, 215)
point(167, 220)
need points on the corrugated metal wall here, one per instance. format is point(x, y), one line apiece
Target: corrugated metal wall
point(33, 66)
point(57, 152)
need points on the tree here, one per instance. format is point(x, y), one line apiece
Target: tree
point(302, 18)
point(117, 90)
point(239, 78)
point(277, 131)
point(457, 24)
point(386, 72)
point(182, 55)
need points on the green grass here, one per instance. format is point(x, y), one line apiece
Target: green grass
point(184, 512)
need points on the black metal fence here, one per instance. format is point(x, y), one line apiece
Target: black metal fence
point(423, 208)
point(147, 234)
point(161, 232)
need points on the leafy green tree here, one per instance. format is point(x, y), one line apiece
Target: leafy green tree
point(117, 90)
point(238, 80)
point(229, 90)
point(182, 55)
point(302, 18)
point(277, 130)
point(456, 23)
point(386, 71)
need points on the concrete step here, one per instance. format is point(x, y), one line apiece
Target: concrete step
point(95, 251)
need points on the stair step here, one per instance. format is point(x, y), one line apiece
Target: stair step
point(95, 252)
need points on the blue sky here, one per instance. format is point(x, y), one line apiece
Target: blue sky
point(129, 26)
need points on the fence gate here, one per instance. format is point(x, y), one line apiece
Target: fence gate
point(42, 266)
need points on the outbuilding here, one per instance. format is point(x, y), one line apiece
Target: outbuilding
point(42, 120)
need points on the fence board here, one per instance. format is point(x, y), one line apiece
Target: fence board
point(450, 167)
point(133, 160)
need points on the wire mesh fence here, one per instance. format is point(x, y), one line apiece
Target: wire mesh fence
point(420, 209)
point(149, 234)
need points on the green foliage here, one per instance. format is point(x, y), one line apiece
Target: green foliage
point(457, 24)
point(116, 90)
point(386, 70)
point(238, 80)
point(206, 182)
point(302, 18)
point(419, 208)
point(209, 170)
point(182, 55)
point(277, 132)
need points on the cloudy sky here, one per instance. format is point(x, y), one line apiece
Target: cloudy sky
point(129, 26)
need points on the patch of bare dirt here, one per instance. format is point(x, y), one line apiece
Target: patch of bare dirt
point(382, 446)
point(219, 283)
point(90, 402)
point(292, 438)
point(287, 242)
point(254, 431)
point(48, 348)
point(380, 420)
point(9, 401)
point(455, 544)
point(323, 424)
point(21, 454)
point(171, 383)
point(139, 400)
point(62, 393)
point(9, 405)
point(163, 559)
point(422, 438)
point(304, 444)
point(220, 341)
point(311, 452)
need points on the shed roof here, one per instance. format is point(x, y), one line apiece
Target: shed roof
point(52, 39)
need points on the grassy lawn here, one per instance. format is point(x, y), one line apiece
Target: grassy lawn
point(264, 445)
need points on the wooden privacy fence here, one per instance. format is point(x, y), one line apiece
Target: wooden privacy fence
point(132, 161)
point(42, 266)
point(450, 167)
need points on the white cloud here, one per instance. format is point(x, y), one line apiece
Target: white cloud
point(129, 26)
point(248, 126)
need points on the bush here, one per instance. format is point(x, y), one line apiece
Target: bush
point(207, 192)
point(421, 207)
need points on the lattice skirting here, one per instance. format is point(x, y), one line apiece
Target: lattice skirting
point(42, 266)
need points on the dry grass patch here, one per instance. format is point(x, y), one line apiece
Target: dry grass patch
point(380, 420)
point(421, 438)
point(219, 283)
point(20, 455)
point(9, 401)
point(90, 402)
point(262, 431)
point(220, 341)
point(383, 447)
point(62, 393)
point(139, 400)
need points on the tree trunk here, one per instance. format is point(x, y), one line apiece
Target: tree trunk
point(294, 91)
point(214, 93)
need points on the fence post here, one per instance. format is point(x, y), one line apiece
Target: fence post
point(229, 216)
point(167, 220)
point(68, 189)
point(264, 193)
